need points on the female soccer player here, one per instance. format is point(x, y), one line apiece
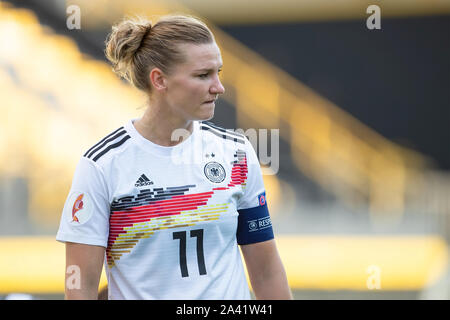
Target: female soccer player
point(165, 200)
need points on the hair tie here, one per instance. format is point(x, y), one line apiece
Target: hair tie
point(148, 29)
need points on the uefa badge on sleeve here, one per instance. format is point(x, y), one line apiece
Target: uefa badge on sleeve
point(78, 208)
point(262, 199)
point(252, 225)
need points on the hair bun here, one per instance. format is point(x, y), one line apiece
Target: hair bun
point(123, 42)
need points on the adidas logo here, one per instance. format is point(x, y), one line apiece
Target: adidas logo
point(143, 181)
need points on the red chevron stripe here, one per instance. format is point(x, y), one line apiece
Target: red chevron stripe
point(153, 210)
point(145, 208)
point(239, 173)
point(149, 214)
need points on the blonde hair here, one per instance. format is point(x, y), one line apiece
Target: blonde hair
point(135, 46)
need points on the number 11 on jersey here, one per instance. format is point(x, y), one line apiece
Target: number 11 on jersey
point(181, 235)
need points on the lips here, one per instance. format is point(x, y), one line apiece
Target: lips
point(210, 101)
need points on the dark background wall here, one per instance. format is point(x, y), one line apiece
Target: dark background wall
point(395, 80)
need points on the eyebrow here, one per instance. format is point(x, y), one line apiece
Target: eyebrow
point(206, 69)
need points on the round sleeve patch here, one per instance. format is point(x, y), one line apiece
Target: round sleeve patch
point(79, 208)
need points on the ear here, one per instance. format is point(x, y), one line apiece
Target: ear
point(158, 79)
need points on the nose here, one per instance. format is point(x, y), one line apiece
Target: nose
point(217, 87)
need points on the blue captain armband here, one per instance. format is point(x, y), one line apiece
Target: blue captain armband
point(254, 225)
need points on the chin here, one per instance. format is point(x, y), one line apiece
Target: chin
point(209, 117)
point(203, 113)
point(206, 116)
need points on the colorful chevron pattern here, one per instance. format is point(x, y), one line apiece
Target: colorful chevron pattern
point(138, 217)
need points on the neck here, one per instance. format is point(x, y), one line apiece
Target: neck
point(158, 127)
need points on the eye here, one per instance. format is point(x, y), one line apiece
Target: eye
point(205, 75)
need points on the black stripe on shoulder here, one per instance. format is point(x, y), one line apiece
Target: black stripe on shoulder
point(112, 146)
point(101, 141)
point(114, 137)
point(223, 136)
point(228, 131)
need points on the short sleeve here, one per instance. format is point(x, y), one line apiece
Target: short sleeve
point(254, 223)
point(85, 216)
point(254, 183)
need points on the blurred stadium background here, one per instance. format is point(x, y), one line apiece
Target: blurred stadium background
point(360, 204)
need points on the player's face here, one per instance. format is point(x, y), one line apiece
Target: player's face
point(194, 83)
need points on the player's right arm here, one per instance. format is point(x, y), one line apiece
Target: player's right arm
point(84, 228)
point(85, 262)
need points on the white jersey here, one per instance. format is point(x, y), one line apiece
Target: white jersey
point(167, 216)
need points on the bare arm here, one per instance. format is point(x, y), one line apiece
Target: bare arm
point(266, 271)
point(85, 263)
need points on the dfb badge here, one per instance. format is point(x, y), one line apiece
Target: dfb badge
point(214, 172)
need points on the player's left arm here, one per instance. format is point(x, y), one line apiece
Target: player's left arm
point(266, 271)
